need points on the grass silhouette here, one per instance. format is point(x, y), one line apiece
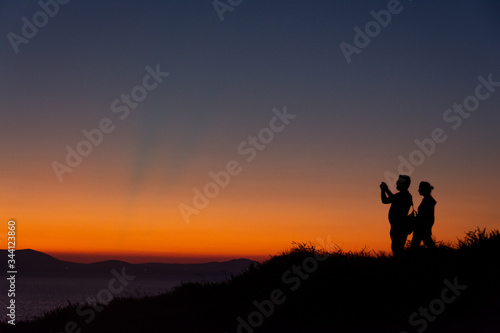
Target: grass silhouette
point(333, 291)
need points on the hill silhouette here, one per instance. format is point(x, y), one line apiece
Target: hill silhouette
point(451, 289)
point(38, 264)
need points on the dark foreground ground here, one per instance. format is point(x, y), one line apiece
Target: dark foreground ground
point(307, 290)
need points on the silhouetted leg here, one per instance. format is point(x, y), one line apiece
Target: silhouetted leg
point(428, 241)
point(416, 240)
point(398, 238)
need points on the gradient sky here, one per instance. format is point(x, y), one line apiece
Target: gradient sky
point(318, 178)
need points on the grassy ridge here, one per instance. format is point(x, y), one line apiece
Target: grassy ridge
point(308, 290)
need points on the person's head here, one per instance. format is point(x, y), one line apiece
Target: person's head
point(403, 183)
point(425, 188)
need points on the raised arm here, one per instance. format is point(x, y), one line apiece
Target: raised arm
point(385, 194)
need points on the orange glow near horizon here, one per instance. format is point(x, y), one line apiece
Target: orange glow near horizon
point(246, 220)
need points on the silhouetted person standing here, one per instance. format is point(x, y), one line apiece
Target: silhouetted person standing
point(425, 218)
point(398, 213)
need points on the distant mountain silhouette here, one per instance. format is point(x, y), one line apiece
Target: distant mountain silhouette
point(34, 263)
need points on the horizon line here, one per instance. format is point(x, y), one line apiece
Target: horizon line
point(144, 258)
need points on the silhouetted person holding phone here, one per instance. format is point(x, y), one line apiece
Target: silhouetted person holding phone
point(425, 218)
point(398, 213)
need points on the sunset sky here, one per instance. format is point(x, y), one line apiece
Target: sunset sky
point(317, 178)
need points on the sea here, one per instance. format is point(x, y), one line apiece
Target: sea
point(36, 296)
